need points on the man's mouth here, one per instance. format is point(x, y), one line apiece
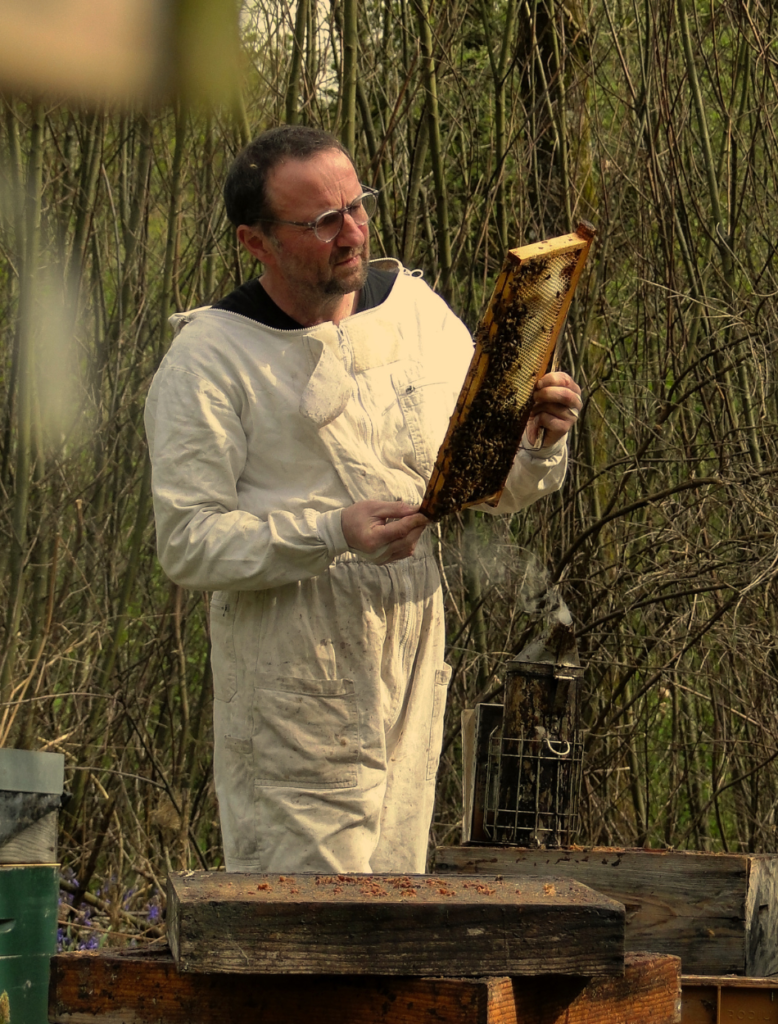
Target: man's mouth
point(351, 259)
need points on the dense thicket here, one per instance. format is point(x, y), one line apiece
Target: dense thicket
point(485, 123)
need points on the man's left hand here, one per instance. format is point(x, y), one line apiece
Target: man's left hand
point(557, 407)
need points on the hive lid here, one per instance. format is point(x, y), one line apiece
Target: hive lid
point(31, 771)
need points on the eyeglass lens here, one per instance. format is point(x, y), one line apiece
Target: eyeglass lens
point(329, 225)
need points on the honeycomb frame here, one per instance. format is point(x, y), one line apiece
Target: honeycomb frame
point(515, 343)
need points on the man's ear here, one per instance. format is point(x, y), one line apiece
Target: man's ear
point(255, 242)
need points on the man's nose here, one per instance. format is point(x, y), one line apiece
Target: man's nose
point(351, 235)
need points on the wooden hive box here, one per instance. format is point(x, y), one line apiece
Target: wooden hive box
point(144, 987)
point(31, 784)
point(391, 925)
point(717, 911)
point(720, 1000)
point(30, 794)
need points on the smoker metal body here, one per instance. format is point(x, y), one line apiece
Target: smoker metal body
point(523, 759)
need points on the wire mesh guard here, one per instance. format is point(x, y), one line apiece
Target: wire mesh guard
point(532, 790)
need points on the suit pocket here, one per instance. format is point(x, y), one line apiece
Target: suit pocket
point(439, 694)
point(426, 404)
point(306, 733)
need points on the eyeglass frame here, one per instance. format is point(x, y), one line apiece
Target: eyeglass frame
point(310, 225)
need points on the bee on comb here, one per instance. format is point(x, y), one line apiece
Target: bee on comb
point(514, 345)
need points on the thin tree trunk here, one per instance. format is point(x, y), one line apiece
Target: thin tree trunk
point(348, 104)
point(499, 68)
point(85, 202)
point(411, 219)
point(296, 64)
point(436, 150)
point(387, 225)
point(17, 197)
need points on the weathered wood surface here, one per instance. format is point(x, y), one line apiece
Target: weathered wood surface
point(720, 1000)
point(762, 917)
point(717, 911)
point(145, 988)
point(391, 924)
point(649, 992)
point(36, 844)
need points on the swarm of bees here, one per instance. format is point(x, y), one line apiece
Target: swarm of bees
point(515, 342)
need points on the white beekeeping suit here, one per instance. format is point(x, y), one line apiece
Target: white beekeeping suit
point(329, 671)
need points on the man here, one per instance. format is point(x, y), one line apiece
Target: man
point(293, 427)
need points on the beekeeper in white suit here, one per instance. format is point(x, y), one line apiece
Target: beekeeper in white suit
point(293, 427)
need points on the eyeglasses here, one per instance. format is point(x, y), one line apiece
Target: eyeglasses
point(328, 225)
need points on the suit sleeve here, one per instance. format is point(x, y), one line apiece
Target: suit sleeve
point(204, 540)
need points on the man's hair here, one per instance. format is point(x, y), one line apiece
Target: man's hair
point(245, 190)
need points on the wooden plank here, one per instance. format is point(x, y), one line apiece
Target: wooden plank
point(131, 987)
point(36, 844)
point(699, 1005)
point(747, 1005)
point(649, 992)
point(718, 1000)
point(391, 924)
point(717, 911)
point(761, 917)
point(468, 765)
point(729, 981)
point(147, 989)
point(476, 746)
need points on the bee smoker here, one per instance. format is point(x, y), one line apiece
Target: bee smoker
point(523, 758)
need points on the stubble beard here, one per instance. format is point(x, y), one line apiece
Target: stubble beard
point(354, 280)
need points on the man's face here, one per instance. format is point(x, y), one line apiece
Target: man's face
point(300, 190)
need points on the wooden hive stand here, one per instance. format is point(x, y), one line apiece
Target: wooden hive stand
point(145, 988)
point(378, 949)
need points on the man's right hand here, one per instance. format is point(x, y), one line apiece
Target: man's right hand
point(386, 531)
